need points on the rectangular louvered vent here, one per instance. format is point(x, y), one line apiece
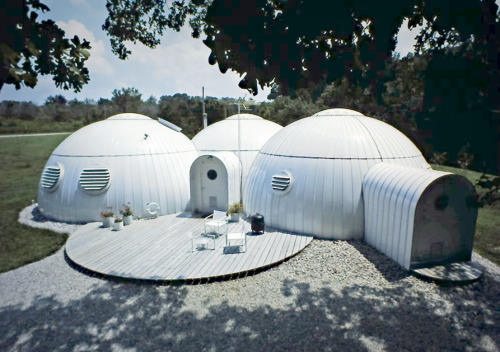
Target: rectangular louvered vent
point(50, 176)
point(94, 179)
point(280, 182)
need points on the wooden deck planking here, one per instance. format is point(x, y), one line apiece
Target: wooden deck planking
point(114, 240)
point(151, 238)
point(213, 267)
point(174, 244)
point(260, 257)
point(160, 249)
point(251, 261)
point(125, 255)
point(197, 260)
point(192, 264)
point(117, 250)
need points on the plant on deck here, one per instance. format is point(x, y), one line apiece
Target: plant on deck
point(235, 208)
point(108, 213)
point(127, 211)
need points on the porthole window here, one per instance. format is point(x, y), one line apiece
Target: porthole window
point(441, 202)
point(50, 178)
point(212, 174)
point(95, 180)
point(281, 182)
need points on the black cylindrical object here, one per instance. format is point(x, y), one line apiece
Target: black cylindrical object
point(258, 223)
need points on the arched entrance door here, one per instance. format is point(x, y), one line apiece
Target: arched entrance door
point(209, 185)
point(445, 221)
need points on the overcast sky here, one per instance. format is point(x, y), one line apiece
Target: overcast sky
point(178, 65)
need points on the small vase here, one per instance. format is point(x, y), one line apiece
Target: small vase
point(127, 220)
point(118, 226)
point(235, 217)
point(108, 222)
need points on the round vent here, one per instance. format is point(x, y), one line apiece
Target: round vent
point(281, 182)
point(95, 180)
point(50, 178)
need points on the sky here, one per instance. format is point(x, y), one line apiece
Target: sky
point(178, 65)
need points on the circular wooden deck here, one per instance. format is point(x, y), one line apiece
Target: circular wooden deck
point(161, 250)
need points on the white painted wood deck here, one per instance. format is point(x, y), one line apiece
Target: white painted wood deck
point(160, 249)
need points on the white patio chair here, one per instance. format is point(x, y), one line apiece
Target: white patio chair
point(215, 221)
point(237, 238)
point(198, 241)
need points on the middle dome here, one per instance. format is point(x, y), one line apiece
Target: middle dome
point(242, 134)
point(308, 177)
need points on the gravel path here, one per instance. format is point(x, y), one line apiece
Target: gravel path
point(333, 296)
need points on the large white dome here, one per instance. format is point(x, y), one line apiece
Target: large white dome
point(251, 130)
point(125, 158)
point(308, 177)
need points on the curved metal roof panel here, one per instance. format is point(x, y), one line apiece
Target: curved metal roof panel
point(341, 134)
point(124, 135)
point(125, 158)
point(391, 193)
point(326, 157)
point(254, 131)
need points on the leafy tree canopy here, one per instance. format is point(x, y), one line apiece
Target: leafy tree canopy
point(29, 47)
point(299, 43)
point(127, 99)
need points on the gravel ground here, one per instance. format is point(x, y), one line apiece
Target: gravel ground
point(333, 296)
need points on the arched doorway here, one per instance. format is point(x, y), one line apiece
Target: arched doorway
point(215, 182)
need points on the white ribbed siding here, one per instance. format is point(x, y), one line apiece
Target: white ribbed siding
point(391, 195)
point(254, 132)
point(230, 165)
point(328, 155)
point(317, 204)
point(142, 169)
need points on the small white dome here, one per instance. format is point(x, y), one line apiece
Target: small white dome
point(254, 132)
point(308, 177)
point(342, 134)
point(125, 158)
point(124, 134)
point(223, 135)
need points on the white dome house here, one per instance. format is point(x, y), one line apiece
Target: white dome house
point(242, 134)
point(125, 158)
point(308, 177)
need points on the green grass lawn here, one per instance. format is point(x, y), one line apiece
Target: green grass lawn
point(17, 126)
point(21, 163)
point(487, 237)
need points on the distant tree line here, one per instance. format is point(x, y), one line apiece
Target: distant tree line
point(421, 105)
point(58, 114)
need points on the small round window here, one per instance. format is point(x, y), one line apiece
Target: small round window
point(212, 174)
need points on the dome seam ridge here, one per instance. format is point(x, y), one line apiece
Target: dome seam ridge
point(371, 136)
point(338, 158)
point(120, 155)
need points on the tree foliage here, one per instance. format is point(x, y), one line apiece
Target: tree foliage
point(29, 48)
point(127, 99)
point(296, 43)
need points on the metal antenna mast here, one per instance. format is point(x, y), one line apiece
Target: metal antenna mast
point(204, 114)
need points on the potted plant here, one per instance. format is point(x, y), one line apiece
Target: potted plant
point(107, 217)
point(234, 211)
point(127, 214)
point(118, 224)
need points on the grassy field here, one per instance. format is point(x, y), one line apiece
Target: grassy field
point(17, 126)
point(487, 237)
point(21, 163)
